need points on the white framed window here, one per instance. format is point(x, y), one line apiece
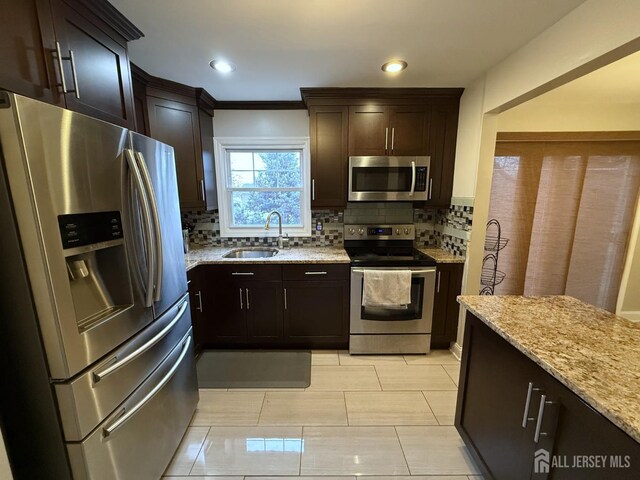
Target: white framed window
point(259, 175)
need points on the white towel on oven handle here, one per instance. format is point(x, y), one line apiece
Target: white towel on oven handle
point(386, 288)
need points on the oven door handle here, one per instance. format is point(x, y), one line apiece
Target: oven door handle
point(413, 179)
point(412, 271)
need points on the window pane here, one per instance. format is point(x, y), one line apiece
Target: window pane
point(251, 208)
point(276, 169)
point(241, 160)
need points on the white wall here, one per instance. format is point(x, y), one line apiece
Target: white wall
point(261, 123)
point(5, 471)
point(594, 34)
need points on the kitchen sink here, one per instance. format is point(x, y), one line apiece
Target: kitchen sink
point(251, 253)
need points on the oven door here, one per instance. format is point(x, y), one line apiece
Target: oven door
point(388, 178)
point(416, 318)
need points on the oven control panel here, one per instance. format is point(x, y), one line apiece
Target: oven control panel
point(404, 231)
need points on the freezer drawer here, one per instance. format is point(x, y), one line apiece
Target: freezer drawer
point(86, 400)
point(138, 440)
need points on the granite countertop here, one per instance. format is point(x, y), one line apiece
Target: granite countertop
point(199, 255)
point(594, 353)
point(441, 255)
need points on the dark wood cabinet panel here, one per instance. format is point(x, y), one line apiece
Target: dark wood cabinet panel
point(492, 397)
point(177, 124)
point(369, 130)
point(329, 157)
point(195, 303)
point(264, 311)
point(97, 69)
point(444, 329)
point(316, 271)
point(408, 130)
point(27, 52)
point(208, 178)
point(443, 131)
point(223, 305)
point(317, 312)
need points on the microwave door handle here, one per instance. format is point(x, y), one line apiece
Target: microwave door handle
point(153, 205)
point(413, 178)
point(146, 225)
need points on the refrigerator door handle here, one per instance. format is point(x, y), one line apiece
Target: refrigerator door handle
point(151, 198)
point(97, 376)
point(148, 234)
point(106, 431)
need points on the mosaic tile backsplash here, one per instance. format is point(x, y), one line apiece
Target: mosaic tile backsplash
point(429, 224)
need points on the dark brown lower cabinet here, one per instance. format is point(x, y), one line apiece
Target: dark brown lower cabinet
point(444, 328)
point(270, 306)
point(495, 382)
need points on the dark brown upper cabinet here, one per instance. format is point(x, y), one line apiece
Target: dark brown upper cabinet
point(180, 116)
point(381, 121)
point(387, 130)
point(329, 129)
point(69, 53)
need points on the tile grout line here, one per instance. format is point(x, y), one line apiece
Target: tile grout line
point(199, 450)
point(264, 399)
point(301, 451)
point(430, 408)
point(346, 409)
point(395, 429)
point(378, 378)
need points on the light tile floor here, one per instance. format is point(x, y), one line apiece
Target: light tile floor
point(385, 416)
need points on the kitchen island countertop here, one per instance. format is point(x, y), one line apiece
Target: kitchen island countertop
point(202, 255)
point(594, 353)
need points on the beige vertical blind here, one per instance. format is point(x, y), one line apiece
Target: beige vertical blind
point(565, 209)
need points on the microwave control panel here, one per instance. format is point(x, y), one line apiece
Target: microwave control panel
point(421, 179)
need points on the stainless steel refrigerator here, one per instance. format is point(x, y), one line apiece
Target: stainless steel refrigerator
point(97, 371)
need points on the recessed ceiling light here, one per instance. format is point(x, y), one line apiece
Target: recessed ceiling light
point(221, 66)
point(394, 66)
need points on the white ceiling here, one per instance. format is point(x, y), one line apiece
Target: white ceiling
point(282, 45)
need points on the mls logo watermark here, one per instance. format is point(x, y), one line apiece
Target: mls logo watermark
point(543, 461)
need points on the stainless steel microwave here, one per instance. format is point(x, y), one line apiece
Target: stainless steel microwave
point(400, 179)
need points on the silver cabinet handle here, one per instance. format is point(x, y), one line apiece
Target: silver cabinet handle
point(147, 227)
point(60, 66)
point(430, 187)
point(285, 298)
point(199, 295)
point(438, 286)
point(202, 190)
point(543, 403)
point(248, 304)
point(241, 307)
point(393, 137)
point(97, 376)
point(525, 416)
point(315, 273)
point(313, 189)
point(124, 418)
point(413, 178)
point(242, 273)
point(386, 139)
point(74, 74)
point(153, 205)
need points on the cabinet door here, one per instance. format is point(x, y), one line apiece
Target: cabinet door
point(440, 304)
point(27, 51)
point(454, 288)
point(443, 131)
point(491, 400)
point(369, 130)
point(195, 299)
point(177, 124)
point(99, 79)
point(208, 178)
point(316, 313)
point(224, 308)
point(408, 135)
point(329, 156)
point(263, 303)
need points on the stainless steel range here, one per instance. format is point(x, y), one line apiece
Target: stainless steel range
point(375, 329)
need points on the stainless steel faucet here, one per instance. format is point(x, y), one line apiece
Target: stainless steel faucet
point(266, 226)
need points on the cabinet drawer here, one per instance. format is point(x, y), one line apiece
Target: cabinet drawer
point(247, 272)
point(316, 271)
